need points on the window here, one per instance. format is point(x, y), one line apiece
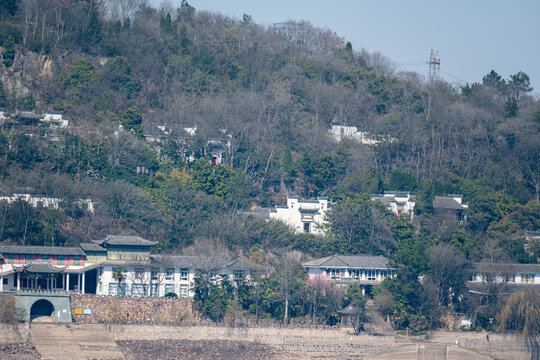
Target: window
point(510, 278)
point(527, 278)
point(138, 289)
point(335, 273)
point(169, 274)
point(113, 289)
point(60, 260)
point(355, 274)
point(44, 257)
point(5, 281)
point(155, 276)
point(28, 259)
point(306, 227)
point(155, 290)
point(76, 260)
point(11, 259)
point(183, 290)
point(371, 275)
point(184, 274)
point(238, 274)
point(169, 288)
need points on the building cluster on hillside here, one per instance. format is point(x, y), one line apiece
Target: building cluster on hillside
point(45, 201)
point(30, 119)
point(93, 268)
point(185, 137)
point(309, 215)
point(124, 265)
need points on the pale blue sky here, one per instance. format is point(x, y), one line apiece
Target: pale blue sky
point(472, 36)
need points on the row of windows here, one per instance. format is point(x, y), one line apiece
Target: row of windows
point(357, 274)
point(510, 278)
point(60, 259)
point(157, 276)
point(141, 289)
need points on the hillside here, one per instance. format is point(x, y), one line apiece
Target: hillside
point(175, 124)
point(188, 86)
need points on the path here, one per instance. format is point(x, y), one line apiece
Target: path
point(64, 342)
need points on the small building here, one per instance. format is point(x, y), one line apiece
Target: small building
point(54, 121)
point(399, 202)
point(44, 201)
point(531, 244)
point(304, 216)
point(511, 274)
point(451, 208)
point(364, 270)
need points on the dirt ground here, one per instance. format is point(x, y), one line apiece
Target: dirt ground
point(199, 350)
point(20, 351)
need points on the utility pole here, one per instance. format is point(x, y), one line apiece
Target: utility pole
point(434, 66)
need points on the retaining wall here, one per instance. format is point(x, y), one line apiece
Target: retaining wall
point(136, 310)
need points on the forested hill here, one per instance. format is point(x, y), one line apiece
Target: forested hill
point(268, 96)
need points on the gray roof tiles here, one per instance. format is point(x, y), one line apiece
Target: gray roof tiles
point(39, 267)
point(41, 250)
point(351, 261)
point(125, 240)
point(92, 247)
point(506, 268)
point(446, 203)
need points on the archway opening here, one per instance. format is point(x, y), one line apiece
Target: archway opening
point(43, 309)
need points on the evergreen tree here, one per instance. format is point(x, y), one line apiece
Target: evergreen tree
point(3, 97)
point(8, 55)
point(132, 121)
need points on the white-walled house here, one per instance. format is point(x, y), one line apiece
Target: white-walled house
point(304, 216)
point(363, 270)
point(399, 202)
point(511, 274)
point(91, 267)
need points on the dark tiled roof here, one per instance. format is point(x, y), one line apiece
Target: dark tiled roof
point(397, 193)
point(385, 200)
point(446, 203)
point(179, 261)
point(244, 264)
point(350, 310)
point(92, 247)
point(263, 212)
point(198, 262)
point(41, 250)
point(506, 268)
point(354, 261)
point(125, 240)
point(39, 267)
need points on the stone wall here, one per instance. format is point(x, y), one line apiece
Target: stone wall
point(323, 342)
point(134, 310)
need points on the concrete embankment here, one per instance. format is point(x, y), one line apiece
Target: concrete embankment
point(94, 341)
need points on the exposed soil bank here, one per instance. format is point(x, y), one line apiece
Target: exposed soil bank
point(199, 350)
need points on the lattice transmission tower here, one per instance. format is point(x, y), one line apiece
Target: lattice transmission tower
point(434, 66)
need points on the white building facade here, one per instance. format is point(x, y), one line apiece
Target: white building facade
point(117, 265)
point(304, 216)
point(399, 202)
point(363, 270)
